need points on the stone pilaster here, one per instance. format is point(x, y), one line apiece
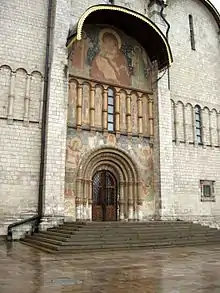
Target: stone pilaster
point(55, 144)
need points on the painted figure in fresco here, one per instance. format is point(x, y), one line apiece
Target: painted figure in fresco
point(110, 63)
point(140, 64)
point(79, 52)
point(74, 147)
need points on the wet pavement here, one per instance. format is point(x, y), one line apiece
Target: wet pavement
point(170, 270)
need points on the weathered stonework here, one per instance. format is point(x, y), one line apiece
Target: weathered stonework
point(79, 145)
point(163, 147)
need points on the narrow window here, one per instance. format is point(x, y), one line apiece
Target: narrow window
point(192, 34)
point(207, 190)
point(198, 122)
point(111, 110)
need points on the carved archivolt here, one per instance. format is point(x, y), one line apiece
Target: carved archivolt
point(184, 125)
point(21, 95)
point(124, 169)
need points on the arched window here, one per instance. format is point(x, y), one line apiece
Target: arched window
point(111, 109)
point(198, 122)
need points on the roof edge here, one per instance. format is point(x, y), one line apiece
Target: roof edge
point(77, 33)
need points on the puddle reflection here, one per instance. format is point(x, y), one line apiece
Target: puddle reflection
point(177, 270)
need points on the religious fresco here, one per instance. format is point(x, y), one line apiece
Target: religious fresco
point(74, 152)
point(110, 56)
point(81, 143)
point(145, 163)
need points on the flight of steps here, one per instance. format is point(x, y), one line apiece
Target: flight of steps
point(100, 236)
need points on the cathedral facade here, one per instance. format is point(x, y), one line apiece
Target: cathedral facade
point(109, 111)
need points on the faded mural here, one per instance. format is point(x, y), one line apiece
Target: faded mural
point(80, 143)
point(110, 56)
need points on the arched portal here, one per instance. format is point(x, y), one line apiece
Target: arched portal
point(104, 196)
point(93, 190)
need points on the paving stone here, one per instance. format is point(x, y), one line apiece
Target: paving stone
point(178, 270)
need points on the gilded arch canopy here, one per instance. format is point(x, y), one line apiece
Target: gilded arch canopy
point(133, 24)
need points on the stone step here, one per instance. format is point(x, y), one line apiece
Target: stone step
point(83, 248)
point(129, 226)
point(51, 236)
point(62, 231)
point(83, 230)
point(128, 234)
point(80, 237)
point(116, 241)
point(128, 230)
point(44, 245)
point(129, 223)
point(123, 237)
point(38, 246)
point(53, 233)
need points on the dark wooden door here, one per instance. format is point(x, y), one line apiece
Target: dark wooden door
point(104, 196)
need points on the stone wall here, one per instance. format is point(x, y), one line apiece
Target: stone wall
point(194, 79)
point(22, 57)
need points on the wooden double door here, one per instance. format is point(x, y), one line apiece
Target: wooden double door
point(104, 196)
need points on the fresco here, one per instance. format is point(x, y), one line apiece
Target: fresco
point(80, 143)
point(74, 151)
point(110, 56)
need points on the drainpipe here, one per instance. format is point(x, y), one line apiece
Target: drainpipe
point(37, 218)
point(44, 111)
point(163, 3)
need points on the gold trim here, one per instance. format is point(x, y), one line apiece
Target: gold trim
point(124, 10)
point(71, 42)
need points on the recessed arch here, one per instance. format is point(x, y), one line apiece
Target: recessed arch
point(119, 17)
point(121, 165)
point(109, 153)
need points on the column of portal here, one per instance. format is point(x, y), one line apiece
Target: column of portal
point(139, 202)
point(79, 200)
point(90, 200)
point(135, 199)
point(130, 202)
point(85, 200)
point(122, 201)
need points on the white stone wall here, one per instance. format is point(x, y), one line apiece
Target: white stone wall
point(140, 6)
point(194, 74)
point(57, 118)
point(195, 80)
point(22, 56)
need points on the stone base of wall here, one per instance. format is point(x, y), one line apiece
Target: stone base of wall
point(19, 231)
point(210, 221)
point(50, 221)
